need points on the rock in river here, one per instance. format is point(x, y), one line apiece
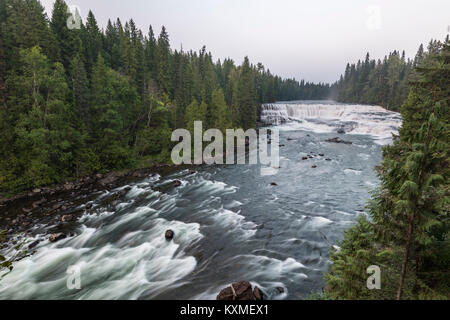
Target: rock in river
point(169, 234)
point(237, 291)
point(67, 218)
point(338, 140)
point(56, 237)
point(257, 293)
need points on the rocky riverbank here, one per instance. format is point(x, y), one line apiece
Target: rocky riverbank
point(61, 205)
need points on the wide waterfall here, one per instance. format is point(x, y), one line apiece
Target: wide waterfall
point(329, 116)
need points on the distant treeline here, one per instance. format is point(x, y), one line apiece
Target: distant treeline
point(82, 100)
point(382, 82)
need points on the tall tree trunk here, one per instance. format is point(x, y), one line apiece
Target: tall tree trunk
point(405, 259)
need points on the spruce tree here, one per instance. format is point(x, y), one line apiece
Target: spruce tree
point(245, 91)
point(163, 62)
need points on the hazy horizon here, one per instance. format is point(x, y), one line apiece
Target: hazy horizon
point(294, 39)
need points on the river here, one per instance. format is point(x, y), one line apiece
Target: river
point(230, 222)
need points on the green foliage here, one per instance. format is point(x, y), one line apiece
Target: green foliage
point(222, 112)
point(385, 83)
point(408, 232)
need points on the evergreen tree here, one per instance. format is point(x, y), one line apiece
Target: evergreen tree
point(92, 40)
point(222, 113)
point(247, 107)
point(163, 62)
point(66, 44)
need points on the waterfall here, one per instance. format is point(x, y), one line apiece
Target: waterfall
point(274, 114)
point(328, 116)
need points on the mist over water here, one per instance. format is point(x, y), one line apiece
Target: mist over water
point(230, 223)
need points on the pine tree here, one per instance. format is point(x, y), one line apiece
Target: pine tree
point(151, 55)
point(163, 62)
point(26, 27)
point(247, 107)
point(222, 113)
point(65, 38)
point(92, 40)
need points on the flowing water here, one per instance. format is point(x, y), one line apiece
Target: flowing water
point(230, 223)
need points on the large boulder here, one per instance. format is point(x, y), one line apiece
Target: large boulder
point(237, 291)
point(169, 235)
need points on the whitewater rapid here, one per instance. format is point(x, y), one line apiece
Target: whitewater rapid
point(329, 116)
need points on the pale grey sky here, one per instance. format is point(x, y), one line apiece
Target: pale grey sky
point(311, 40)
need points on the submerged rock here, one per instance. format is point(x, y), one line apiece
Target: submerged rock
point(273, 184)
point(279, 290)
point(33, 244)
point(176, 183)
point(338, 140)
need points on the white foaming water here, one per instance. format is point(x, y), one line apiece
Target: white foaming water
point(121, 250)
point(139, 262)
point(332, 117)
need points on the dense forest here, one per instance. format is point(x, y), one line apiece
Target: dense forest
point(407, 232)
point(84, 100)
point(383, 82)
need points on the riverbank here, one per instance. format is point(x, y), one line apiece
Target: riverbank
point(20, 213)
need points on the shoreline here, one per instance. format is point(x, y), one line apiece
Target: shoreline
point(60, 202)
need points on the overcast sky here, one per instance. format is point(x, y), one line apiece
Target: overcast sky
point(311, 40)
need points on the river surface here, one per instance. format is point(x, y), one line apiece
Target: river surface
point(230, 223)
